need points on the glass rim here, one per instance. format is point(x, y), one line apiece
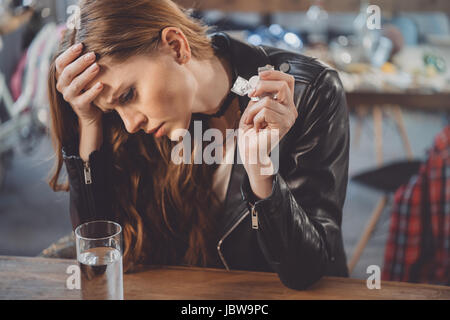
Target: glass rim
point(77, 230)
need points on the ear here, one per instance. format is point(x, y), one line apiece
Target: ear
point(176, 44)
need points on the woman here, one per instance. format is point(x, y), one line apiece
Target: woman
point(136, 67)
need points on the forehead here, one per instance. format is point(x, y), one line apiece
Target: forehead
point(113, 74)
point(112, 71)
point(117, 75)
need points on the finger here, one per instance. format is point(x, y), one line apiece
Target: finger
point(75, 68)
point(67, 57)
point(278, 75)
point(88, 96)
point(280, 88)
point(80, 82)
point(267, 116)
point(267, 102)
point(284, 96)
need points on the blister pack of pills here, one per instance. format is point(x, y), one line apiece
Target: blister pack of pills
point(242, 86)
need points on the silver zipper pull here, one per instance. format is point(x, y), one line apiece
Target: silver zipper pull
point(87, 173)
point(254, 214)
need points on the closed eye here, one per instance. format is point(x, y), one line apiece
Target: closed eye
point(127, 97)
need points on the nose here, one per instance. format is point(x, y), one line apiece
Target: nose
point(133, 120)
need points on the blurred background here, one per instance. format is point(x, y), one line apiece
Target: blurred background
point(393, 60)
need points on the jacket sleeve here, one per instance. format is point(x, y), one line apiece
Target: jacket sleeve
point(299, 229)
point(88, 185)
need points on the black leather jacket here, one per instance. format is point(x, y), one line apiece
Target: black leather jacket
point(299, 225)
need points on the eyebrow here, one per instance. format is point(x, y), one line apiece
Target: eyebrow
point(113, 97)
point(111, 100)
point(116, 94)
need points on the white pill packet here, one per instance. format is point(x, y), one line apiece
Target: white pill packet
point(242, 86)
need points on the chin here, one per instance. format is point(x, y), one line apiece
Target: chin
point(173, 133)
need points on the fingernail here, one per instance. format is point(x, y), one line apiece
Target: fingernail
point(98, 85)
point(90, 56)
point(77, 47)
point(94, 67)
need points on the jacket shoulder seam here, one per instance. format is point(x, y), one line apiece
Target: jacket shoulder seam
point(302, 59)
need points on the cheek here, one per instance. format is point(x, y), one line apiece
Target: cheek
point(177, 96)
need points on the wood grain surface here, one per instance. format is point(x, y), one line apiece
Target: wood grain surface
point(42, 278)
point(425, 102)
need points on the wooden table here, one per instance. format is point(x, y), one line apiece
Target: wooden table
point(409, 100)
point(42, 278)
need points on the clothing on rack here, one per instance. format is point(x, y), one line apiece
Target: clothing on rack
point(17, 77)
point(418, 246)
point(30, 78)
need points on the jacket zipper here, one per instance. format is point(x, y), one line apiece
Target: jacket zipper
point(255, 225)
point(253, 210)
point(87, 173)
point(87, 190)
point(219, 244)
point(254, 213)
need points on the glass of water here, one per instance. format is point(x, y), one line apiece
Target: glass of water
point(99, 253)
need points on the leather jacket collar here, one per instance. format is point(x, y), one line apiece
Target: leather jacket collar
point(236, 49)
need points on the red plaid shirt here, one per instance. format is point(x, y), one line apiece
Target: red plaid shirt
point(418, 246)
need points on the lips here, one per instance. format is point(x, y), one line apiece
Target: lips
point(155, 130)
point(160, 131)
